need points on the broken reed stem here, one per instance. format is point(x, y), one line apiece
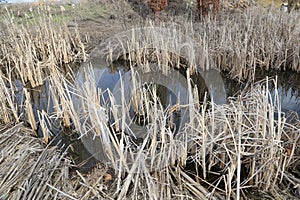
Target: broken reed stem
point(29, 110)
point(8, 106)
point(43, 122)
point(239, 152)
point(62, 99)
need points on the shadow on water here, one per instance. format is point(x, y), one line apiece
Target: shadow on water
point(288, 88)
point(288, 85)
point(64, 138)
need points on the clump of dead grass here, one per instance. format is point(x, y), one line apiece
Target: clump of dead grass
point(30, 49)
point(224, 150)
point(28, 168)
point(237, 43)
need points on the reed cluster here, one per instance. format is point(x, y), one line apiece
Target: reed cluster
point(257, 38)
point(244, 144)
point(9, 111)
point(30, 49)
point(237, 43)
point(227, 150)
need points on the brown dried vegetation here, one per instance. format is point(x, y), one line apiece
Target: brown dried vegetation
point(157, 5)
point(236, 147)
point(206, 6)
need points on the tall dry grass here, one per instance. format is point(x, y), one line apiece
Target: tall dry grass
point(237, 42)
point(8, 107)
point(256, 141)
point(245, 144)
point(223, 151)
point(30, 49)
point(264, 38)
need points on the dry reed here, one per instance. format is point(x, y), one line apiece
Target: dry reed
point(229, 148)
point(245, 146)
point(29, 48)
point(8, 107)
point(237, 43)
point(29, 169)
point(31, 52)
point(224, 150)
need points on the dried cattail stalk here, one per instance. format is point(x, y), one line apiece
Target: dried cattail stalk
point(29, 110)
point(44, 124)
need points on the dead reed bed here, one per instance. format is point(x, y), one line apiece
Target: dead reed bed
point(29, 168)
point(235, 42)
point(256, 38)
point(245, 144)
point(225, 151)
point(30, 49)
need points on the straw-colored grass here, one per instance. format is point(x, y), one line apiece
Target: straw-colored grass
point(29, 169)
point(237, 43)
point(8, 105)
point(224, 151)
point(29, 50)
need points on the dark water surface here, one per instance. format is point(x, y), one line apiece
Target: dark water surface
point(288, 85)
point(108, 77)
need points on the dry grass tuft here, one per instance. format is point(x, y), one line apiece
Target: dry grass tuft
point(29, 50)
point(237, 43)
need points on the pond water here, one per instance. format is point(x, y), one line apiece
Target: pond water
point(109, 77)
point(288, 85)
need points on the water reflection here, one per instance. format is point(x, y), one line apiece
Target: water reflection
point(108, 77)
point(288, 87)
